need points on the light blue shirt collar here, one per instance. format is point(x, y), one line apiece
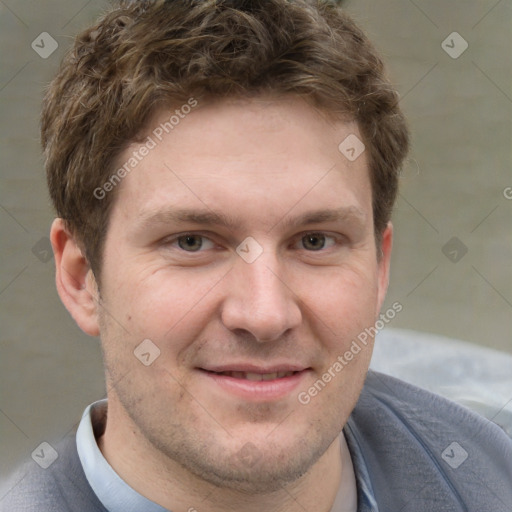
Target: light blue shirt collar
point(113, 492)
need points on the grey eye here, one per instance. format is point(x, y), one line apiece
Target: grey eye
point(313, 241)
point(190, 243)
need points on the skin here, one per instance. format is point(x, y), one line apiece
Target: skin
point(172, 433)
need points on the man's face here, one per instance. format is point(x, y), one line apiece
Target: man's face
point(272, 171)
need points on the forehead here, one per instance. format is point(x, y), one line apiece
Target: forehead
point(261, 158)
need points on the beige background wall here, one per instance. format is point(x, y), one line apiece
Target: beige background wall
point(455, 185)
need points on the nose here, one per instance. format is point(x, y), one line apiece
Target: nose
point(259, 301)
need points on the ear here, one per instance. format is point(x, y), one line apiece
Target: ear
point(384, 264)
point(75, 281)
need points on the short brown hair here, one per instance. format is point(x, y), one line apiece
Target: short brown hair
point(144, 55)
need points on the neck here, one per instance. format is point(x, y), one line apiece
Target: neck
point(163, 481)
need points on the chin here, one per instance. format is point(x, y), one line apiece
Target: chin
point(259, 468)
point(266, 475)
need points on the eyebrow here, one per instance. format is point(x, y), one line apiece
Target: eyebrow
point(203, 217)
point(348, 214)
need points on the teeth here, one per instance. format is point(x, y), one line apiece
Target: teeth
point(254, 376)
point(257, 376)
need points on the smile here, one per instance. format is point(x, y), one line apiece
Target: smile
point(256, 376)
point(255, 385)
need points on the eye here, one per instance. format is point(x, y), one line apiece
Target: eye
point(317, 241)
point(193, 243)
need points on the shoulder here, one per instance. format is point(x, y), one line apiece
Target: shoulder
point(420, 447)
point(61, 487)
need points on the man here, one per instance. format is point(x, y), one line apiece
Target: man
point(224, 173)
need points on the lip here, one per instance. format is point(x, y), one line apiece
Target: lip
point(248, 367)
point(257, 391)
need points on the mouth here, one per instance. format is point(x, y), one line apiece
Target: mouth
point(256, 384)
point(255, 377)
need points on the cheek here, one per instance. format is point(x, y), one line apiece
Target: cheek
point(341, 307)
point(344, 299)
point(169, 308)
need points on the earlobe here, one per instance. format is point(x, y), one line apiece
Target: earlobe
point(75, 281)
point(384, 263)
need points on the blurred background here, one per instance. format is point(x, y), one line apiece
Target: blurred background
point(452, 264)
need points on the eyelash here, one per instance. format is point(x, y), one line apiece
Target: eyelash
point(335, 240)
